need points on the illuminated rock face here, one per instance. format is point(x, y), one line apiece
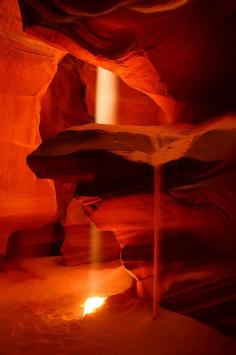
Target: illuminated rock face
point(174, 67)
point(183, 59)
point(197, 212)
point(28, 112)
point(27, 67)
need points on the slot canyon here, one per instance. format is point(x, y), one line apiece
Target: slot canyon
point(118, 177)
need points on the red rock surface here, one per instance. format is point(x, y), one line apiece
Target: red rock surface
point(85, 244)
point(63, 104)
point(175, 60)
point(183, 58)
point(28, 102)
point(197, 212)
point(27, 67)
point(42, 241)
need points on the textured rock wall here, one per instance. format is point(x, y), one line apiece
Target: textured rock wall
point(184, 59)
point(27, 67)
point(177, 63)
point(197, 211)
point(131, 106)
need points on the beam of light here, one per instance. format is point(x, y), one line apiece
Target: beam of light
point(105, 112)
point(157, 236)
point(92, 303)
point(106, 96)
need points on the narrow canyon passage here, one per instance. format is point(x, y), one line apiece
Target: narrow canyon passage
point(117, 177)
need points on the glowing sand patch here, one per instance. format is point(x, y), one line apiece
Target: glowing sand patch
point(92, 303)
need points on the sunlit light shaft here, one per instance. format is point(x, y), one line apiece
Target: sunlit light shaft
point(157, 236)
point(92, 303)
point(106, 96)
point(105, 112)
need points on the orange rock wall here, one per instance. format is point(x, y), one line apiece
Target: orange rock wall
point(27, 67)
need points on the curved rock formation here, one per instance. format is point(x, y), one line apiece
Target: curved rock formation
point(197, 211)
point(175, 60)
point(181, 55)
point(27, 67)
